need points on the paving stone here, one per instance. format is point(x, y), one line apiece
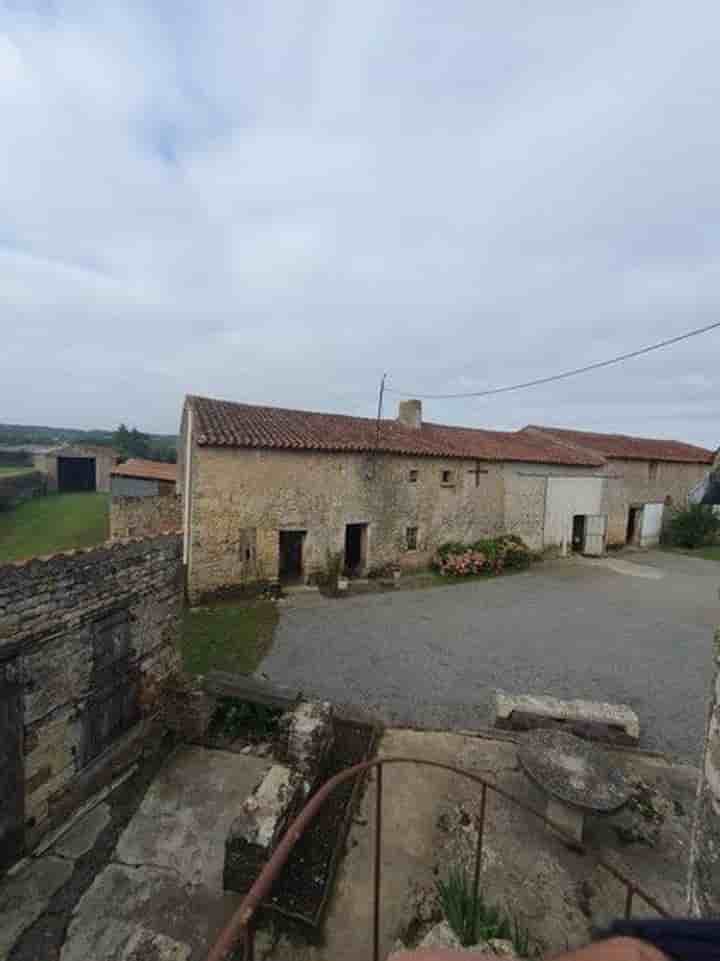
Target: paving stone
point(83, 835)
point(25, 895)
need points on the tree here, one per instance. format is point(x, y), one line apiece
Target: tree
point(695, 526)
point(131, 443)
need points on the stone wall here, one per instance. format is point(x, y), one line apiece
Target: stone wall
point(144, 516)
point(242, 499)
point(15, 488)
point(641, 482)
point(86, 639)
point(704, 867)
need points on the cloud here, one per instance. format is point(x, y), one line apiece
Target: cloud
point(276, 203)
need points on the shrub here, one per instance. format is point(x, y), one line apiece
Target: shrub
point(334, 563)
point(694, 527)
point(485, 556)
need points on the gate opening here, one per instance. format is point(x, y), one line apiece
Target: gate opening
point(355, 549)
point(76, 474)
point(291, 555)
point(578, 533)
point(632, 535)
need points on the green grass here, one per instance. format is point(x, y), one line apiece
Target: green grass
point(6, 469)
point(710, 553)
point(229, 636)
point(48, 525)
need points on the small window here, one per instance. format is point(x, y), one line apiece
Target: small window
point(411, 538)
point(413, 476)
point(653, 470)
point(448, 477)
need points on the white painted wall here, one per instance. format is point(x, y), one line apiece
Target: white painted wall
point(567, 496)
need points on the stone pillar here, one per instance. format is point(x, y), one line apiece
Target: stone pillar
point(704, 866)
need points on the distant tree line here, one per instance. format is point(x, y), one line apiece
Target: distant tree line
point(134, 443)
point(128, 442)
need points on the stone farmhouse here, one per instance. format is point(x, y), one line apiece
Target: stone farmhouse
point(268, 493)
point(73, 467)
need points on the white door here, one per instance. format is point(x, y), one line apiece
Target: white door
point(595, 534)
point(651, 525)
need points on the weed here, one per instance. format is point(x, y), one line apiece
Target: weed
point(234, 717)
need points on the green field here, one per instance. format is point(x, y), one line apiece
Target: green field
point(5, 470)
point(58, 522)
point(228, 636)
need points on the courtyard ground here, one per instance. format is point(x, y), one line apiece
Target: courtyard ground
point(140, 879)
point(634, 628)
point(57, 522)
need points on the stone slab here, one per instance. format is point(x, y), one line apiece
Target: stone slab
point(186, 814)
point(573, 771)
point(613, 722)
point(570, 820)
point(25, 895)
point(305, 737)
point(84, 833)
point(261, 823)
point(130, 910)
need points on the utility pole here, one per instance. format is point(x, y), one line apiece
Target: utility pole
point(377, 428)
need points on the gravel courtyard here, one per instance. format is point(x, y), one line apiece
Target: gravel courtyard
point(635, 628)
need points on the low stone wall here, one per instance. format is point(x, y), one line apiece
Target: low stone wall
point(144, 516)
point(86, 642)
point(15, 488)
point(704, 871)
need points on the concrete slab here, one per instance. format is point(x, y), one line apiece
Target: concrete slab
point(84, 833)
point(176, 921)
point(429, 824)
point(186, 814)
point(25, 895)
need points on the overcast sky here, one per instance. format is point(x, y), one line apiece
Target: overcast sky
point(273, 202)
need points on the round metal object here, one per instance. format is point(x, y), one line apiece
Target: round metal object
point(574, 771)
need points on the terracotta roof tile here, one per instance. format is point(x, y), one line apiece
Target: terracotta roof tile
point(146, 469)
point(220, 423)
point(624, 447)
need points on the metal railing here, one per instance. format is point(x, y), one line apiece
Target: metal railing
point(240, 927)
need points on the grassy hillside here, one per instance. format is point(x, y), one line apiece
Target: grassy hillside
point(58, 522)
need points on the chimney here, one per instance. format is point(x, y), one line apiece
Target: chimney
point(410, 413)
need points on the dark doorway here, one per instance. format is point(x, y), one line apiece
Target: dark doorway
point(76, 473)
point(633, 525)
point(578, 533)
point(355, 549)
point(291, 555)
point(12, 773)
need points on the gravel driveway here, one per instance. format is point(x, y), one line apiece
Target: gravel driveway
point(635, 629)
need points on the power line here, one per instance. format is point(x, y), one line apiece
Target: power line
point(567, 373)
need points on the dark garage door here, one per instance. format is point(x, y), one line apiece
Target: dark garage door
point(76, 473)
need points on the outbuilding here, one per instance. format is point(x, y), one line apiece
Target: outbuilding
point(77, 468)
point(143, 478)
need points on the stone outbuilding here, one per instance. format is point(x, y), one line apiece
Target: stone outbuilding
point(143, 478)
point(270, 493)
point(77, 468)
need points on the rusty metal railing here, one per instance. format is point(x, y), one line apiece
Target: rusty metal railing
point(240, 927)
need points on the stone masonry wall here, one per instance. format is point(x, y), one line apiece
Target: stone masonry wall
point(704, 867)
point(243, 498)
point(144, 516)
point(15, 488)
point(87, 637)
point(640, 482)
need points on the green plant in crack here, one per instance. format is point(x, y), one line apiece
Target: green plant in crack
point(473, 919)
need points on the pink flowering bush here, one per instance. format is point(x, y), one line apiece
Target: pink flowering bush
point(490, 556)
